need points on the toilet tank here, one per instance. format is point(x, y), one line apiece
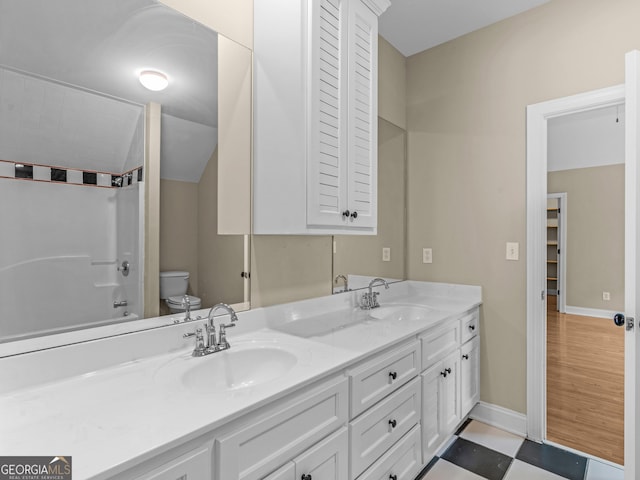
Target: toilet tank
point(173, 283)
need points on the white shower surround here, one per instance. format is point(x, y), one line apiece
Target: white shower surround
point(61, 245)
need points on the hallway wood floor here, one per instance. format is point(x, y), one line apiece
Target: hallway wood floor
point(585, 384)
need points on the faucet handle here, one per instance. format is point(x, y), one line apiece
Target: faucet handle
point(223, 344)
point(374, 299)
point(200, 348)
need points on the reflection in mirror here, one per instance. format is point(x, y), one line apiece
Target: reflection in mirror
point(360, 258)
point(71, 164)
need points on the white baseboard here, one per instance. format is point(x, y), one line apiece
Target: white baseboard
point(590, 312)
point(501, 418)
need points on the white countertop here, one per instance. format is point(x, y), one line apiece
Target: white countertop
point(113, 418)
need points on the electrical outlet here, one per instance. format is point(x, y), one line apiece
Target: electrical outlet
point(513, 250)
point(386, 254)
point(606, 296)
point(427, 255)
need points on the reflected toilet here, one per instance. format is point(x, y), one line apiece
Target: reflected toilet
point(173, 289)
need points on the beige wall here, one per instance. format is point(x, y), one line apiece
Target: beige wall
point(289, 268)
point(189, 239)
point(392, 84)
point(220, 257)
point(594, 217)
point(466, 104)
point(362, 255)
point(178, 229)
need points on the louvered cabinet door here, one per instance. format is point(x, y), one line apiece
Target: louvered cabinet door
point(327, 155)
point(362, 115)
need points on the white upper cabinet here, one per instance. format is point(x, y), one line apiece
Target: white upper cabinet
point(315, 129)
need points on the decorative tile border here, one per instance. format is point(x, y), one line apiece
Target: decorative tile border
point(45, 173)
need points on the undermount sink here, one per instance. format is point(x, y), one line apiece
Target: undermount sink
point(240, 367)
point(404, 312)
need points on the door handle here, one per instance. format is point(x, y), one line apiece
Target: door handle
point(619, 319)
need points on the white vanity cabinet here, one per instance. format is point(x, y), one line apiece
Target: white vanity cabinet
point(257, 445)
point(195, 465)
point(315, 116)
point(326, 460)
point(384, 431)
point(450, 380)
point(470, 374)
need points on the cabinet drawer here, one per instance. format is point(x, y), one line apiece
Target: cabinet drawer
point(195, 465)
point(470, 324)
point(376, 430)
point(327, 460)
point(286, 472)
point(402, 461)
point(379, 377)
point(253, 450)
point(437, 344)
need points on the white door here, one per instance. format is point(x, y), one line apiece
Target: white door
point(632, 256)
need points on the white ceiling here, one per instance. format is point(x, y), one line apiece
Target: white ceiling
point(416, 25)
point(52, 47)
point(593, 138)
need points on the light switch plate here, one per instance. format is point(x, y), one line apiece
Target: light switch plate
point(427, 255)
point(513, 250)
point(386, 254)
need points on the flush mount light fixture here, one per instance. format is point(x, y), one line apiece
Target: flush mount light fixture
point(153, 80)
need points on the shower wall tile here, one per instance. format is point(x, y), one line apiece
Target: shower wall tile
point(58, 175)
point(74, 176)
point(41, 173)
point(104, 179)
point(44, 173)
point(7, 169)
point(24, 171)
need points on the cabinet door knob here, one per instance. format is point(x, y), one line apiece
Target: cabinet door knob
point(393, 477)
point(346, 213)
point(393, 423)
point(472, 327)
point(448, 370)
point(444, 373)
point(393, 375)
point(305, 476)
point(465, 357)
point(354, 215)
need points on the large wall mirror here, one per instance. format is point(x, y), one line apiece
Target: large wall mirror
point(73, 173)
point(357, 259)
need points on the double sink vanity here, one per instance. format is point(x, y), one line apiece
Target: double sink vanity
point(320, 389)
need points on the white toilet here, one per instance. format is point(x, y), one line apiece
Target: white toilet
point(173, 287)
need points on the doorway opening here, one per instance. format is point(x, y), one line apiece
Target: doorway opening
point(540, 358)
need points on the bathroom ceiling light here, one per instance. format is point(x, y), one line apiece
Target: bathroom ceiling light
point(153, 80)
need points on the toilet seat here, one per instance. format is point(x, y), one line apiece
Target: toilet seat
point(175, 302)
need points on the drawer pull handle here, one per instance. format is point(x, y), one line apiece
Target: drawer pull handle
point(465, 357)
point(472, 327)
point(393, 477)
point(393, 375)
point(393, 423)
point(305, 476)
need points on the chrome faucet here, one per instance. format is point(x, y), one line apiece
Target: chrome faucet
point(210, 345)
point(369, 299)
point(344, 279)
point(221, 344)
point(186, 303)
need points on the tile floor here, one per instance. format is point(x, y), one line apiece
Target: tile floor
point(479, 451)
